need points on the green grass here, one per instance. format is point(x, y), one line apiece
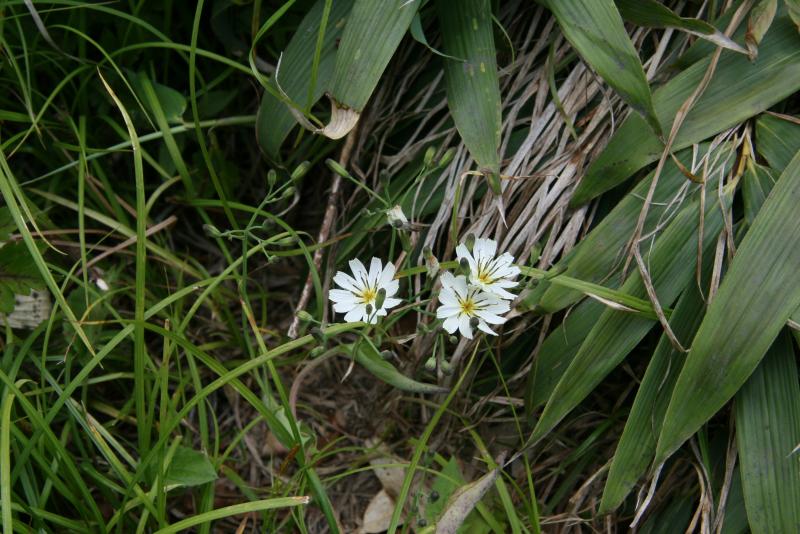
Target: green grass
point(162, 200)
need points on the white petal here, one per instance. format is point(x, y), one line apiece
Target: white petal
point(372, 319)
point(447, 311)
point(344, 307)
point(391, 288)
point(391, 303)
point(504, 282)
point(359, 271)
point(490, 317)
point(448, 297)
point(484, 249)
point(460, 286)
point(485, 328)
point(502, 293)
point(464, 327)
point(340, 295)
point(356, 314)
point(450, 324)
point(447, 279)
point(387, 275)
point(381, 313)
point(346, 281)
point(375, 270)
point(496, 307)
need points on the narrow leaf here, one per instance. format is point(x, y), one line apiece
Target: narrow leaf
point(275, 120)
point(653, 14)
point(368, 357)
point(637, 445)
point(596, 31)
point(738, 90)
point(767, 429)
point(755, 299)
point(372, 34)
point(462, 502)
point(758, 23)
point(777, 140)
point(672, 265)
point(473, 89)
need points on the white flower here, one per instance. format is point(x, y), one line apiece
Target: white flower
point(493, 275)
point(360, 296)
point(465, 306)
point(396, 217)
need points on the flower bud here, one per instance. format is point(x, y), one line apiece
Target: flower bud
point(272, 178)
point(434, 496)
point(211, 230)
point(469, 241)
point(316, 351)
point(380, 298)
point(447, 157)
point(453, 339)
point(337, 168)
point(428, 159)
point(304, 316)
point(430, 364)
point(447, 367)
point(289, 191)
point(300, 171)
point(388, 355)
point(474, 322)
point(369, 309)
point(464, 264)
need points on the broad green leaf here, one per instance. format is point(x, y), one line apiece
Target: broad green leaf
point(473, 89)
point(372, 34)
point(596, 31)
point(777, 140)
point(275, 120)
point(757, 182)
point(189, 468)
point(767, 431)
point(675, 517)
point(756, 297)
point(672, 266)
point(735, 520)
point(18, 274)
point(758, 23)
point(637, 445)
point(172, 103)
point(598, 255)
point(6, 224)
point(418, 33)
point(653, 14)
point(738, 90)
point(371, 360)
point(793, 6)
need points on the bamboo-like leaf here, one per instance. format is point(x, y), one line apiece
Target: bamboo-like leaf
point(756, 185)
point(777, 140)
point(767, 430)
point(637, 445)
point(602, 251)
point(372, 34)
point(672, 265)
point(755, 299)
point(653, 14)
point(275, 120)
point(596, 30)
point(793, 6)
point(368, 357)
point(738, 90)
point(759, 22)
point(473, 89)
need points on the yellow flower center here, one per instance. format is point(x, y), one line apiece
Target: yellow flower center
point(368, 295)
point(467, 306)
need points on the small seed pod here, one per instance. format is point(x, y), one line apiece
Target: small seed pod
point(447, 367)
point(336, 167)
point(447, 157)
point(272, 178)
point(452, 339)
point(429, 154)
point(289, 191)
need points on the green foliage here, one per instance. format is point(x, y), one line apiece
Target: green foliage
point(18, 275)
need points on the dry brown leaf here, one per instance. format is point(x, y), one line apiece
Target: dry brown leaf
point(463, 501)
point(378, 514)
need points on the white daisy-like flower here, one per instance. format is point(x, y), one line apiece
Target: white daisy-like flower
point(366, 295)
point(492, 274)
point(396, 217)
point(465, 307)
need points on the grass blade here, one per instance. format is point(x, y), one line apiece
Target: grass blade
point(595, 29)
point(767, 429)
point(473, 89)
point(777, 140)
point(739, 90)
point(755, 299)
